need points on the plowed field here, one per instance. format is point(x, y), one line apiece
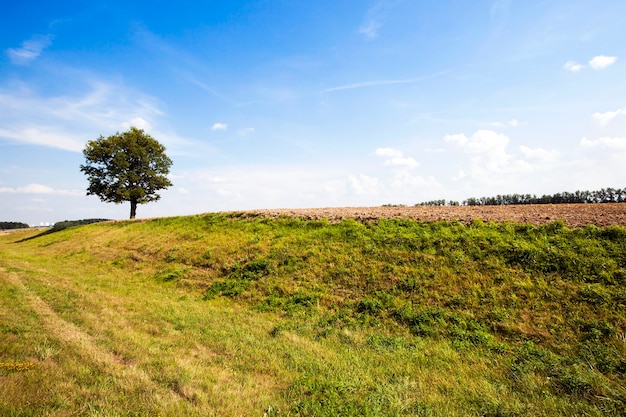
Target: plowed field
point(574, 215)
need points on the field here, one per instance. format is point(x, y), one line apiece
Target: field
point(398, 311)
point(573, 215)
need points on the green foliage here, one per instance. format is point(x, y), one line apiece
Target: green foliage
point(128, 166)
point(171, 274)
point(73, 223)
point(13, 225)
point(226, 288)
point(604, 195)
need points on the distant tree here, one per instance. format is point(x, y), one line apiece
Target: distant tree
point(13, 225)
point(128, 166)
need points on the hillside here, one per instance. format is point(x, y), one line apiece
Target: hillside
point(257, 314)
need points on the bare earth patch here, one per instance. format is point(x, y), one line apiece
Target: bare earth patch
point(574, 215)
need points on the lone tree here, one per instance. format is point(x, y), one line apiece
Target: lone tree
point(129, 166)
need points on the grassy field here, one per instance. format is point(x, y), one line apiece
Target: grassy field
point(231, 315)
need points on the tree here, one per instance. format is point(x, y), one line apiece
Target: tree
point(129, 166)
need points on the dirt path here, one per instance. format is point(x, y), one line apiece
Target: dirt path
point(574, 215)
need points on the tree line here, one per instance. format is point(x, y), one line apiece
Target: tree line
point(13, 225)
point(604, 195)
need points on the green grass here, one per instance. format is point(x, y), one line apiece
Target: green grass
point(239, 315)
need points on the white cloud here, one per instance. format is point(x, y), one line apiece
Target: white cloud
point(402, 162)
point(602, 61)
point(138, 122)
point(597, 63)
point(573, 66)
point(30, 49)
point(607, 143)
point(486, 155)
point(483, 141)
point(396, 158)
point(388, 152)
point(219, 126)
point(458, 139)
point(605, 118)
point(403, 179)
point(364, 184)
point(38, 189)
point(539, 154)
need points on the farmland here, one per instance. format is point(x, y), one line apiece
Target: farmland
point(573, 215)
point(427, 311)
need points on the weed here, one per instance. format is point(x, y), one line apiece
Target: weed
point(226, 288)
point(46, 350)
point(171, 274)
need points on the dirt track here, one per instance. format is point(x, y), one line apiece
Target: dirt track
point(574, 215)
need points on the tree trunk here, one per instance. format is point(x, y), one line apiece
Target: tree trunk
point(133, 208)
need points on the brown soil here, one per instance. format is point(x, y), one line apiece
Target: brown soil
point(574, 215)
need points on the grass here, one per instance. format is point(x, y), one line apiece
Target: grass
point(234, 314)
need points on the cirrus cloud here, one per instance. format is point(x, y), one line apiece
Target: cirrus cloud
point(38, 189)
point(29, 50)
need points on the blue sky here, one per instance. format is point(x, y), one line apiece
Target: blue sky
point(265, 104)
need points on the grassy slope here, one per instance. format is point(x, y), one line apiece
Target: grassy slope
point(216, 315)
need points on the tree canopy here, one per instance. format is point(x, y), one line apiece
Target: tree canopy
point(128, 166)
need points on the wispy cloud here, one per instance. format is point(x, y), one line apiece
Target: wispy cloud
point(378, 83)
point(51, 137)
point(368, 84)
point(68, 121)
point(38, 189)
point(370, 29)
point(573, 66)
point(29, 50)
point(372, 22)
